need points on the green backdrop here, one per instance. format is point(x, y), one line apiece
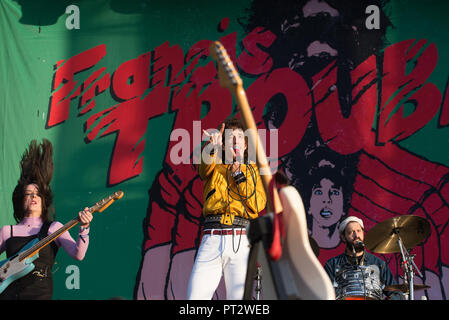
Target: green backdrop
point(34, 38)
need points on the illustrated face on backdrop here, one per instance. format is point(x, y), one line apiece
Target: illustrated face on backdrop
point(318, 50)
point(32, 202)
point(326, 203)
point(234, 139)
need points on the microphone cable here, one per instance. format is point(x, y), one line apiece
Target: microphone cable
point(358, 267)
point(241, 198)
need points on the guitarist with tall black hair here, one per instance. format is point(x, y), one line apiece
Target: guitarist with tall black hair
point(32, 200)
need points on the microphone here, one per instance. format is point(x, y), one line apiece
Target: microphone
point(359, 245)
point(237, 153)
point(239, 177)
point(236, 149)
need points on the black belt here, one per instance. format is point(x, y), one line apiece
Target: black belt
point(225, 232)
point(216, 218)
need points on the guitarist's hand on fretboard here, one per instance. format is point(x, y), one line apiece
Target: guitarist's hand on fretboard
point(85, 217)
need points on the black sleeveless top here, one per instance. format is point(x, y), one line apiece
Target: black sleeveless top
point(38, 284)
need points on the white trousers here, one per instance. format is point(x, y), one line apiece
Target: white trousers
point(219, 255)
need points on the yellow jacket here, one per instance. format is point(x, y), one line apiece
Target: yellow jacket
point(218, 200)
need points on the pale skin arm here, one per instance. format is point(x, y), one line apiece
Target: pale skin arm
point(76, 249)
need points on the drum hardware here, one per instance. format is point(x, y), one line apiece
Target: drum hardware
point(314, 245)
point(405, 287)
point(398, 235)
point(409, 266)
point(358, 283)
point(258, 279)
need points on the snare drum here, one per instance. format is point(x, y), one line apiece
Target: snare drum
point(358, 283)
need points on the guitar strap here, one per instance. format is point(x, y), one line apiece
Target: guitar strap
point(251, 271)
point(47, 254)
point(43, 232)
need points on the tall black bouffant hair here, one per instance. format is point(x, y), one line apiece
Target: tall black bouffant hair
point(36, 168)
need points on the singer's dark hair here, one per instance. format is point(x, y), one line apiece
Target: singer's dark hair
point(235, 123)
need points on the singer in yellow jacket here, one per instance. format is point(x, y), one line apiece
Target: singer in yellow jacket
point(222, 196)
point(233, 194)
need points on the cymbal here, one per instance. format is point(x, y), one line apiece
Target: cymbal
point(383, 237)
point(405, 287)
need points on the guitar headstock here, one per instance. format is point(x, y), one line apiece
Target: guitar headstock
point(227, 74)
point(117, 195)
point(101, 205)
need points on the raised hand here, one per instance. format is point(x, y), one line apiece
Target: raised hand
point(215, 138)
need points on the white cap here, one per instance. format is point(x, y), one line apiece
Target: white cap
point(344, 223)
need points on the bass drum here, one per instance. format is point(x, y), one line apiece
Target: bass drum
point(358, 283)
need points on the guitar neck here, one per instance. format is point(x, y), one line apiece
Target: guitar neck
point(229, 78)
point(99, 206)
point(273, 200)
point(249, 122)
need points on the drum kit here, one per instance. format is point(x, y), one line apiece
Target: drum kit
point(396, 235)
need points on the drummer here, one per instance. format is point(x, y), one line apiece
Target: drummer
point(343, 270)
